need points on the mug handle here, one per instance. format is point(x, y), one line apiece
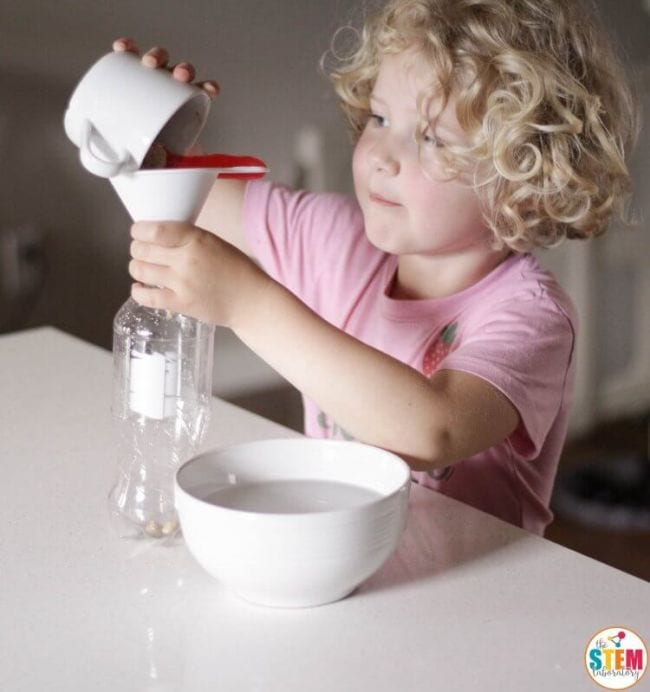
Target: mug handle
point(95, 164)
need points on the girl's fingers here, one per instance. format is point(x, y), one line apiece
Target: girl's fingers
point(148, 252)
point(125, 44)
point(151, 297)
point(166, 234)
point(155, 57)
point(183, 72)
point(149, 274)
point(210, 87)
point(159, 57)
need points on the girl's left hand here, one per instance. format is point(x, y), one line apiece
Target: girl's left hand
point(186, 269)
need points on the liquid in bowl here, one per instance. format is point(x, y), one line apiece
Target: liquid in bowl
point(292, 496)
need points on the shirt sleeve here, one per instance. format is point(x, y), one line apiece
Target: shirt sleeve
point(525, 349)
point(293, 234)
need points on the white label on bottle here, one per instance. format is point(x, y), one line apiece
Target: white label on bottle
point(172, 384)
point(153, 385)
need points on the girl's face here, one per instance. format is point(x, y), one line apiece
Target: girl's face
point(408, 206)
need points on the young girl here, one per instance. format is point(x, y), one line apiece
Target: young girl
point(414, 318)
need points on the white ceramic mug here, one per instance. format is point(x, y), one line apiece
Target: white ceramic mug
point(120, 107)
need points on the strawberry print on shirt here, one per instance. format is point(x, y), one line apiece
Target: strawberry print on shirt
point(439, 350)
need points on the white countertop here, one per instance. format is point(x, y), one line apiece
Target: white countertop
point(466, 603)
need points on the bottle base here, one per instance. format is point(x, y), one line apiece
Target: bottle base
point(141, 527)
point(152, 529)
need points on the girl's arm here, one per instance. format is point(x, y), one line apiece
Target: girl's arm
point(222, 213)
point(431, 422)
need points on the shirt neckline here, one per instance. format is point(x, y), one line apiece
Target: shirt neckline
point(407, 309)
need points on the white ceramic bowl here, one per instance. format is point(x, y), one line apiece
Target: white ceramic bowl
point(293, 523)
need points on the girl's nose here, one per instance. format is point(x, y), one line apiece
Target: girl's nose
point(382, 158)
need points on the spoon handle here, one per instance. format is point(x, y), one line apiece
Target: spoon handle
point(220, 161)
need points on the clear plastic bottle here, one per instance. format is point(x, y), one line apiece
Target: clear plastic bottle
point(162, 381)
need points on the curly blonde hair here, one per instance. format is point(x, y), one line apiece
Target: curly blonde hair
point(542, 95)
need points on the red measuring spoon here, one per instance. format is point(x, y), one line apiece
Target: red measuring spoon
point(243, 167)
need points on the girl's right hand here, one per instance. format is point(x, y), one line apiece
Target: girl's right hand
point(159, 58)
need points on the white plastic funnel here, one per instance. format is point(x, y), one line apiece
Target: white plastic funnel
point(163, 194)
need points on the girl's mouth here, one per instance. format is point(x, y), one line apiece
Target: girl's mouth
point(378, 199)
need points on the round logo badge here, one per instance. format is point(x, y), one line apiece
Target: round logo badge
point(616, 658)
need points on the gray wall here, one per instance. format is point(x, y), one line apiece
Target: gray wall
point(265, 54)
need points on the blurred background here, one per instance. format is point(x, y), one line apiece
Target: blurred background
point(64, 236)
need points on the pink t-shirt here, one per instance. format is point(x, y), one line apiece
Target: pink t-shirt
point(515, 328)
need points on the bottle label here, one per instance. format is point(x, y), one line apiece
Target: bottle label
point(154, 384)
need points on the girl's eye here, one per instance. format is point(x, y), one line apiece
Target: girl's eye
point(430, 139)
point(377, 120)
